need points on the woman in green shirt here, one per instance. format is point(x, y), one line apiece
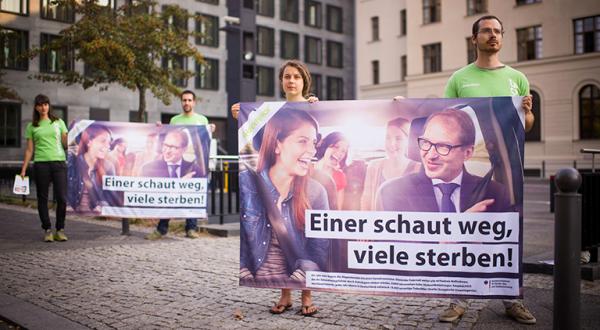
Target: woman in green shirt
point(46, 141)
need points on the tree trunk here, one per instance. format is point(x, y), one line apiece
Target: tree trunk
point(142, 104)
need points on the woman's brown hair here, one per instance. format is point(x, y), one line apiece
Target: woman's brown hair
point(39, 100)
point(89, 134)
point(279, 127)
point(303, 69)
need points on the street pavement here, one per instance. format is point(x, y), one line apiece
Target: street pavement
point(100, 279)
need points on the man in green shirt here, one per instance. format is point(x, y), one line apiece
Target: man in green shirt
point(487, 77)
point(186, 117)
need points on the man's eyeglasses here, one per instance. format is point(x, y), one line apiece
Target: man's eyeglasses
point(441, 148)
point(170, 146)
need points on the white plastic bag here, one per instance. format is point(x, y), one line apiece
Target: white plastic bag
point(21, 186)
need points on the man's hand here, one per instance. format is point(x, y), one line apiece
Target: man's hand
point(312, 99)
point(235, 110)
point(481, 206)
point(189, 175)
point(159, 123)
point(212, 128)
point(398, 98)
point(527, 104)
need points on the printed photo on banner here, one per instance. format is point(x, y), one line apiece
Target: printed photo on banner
point(417, 197)
point(133, 170)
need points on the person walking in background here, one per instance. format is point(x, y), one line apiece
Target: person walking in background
point(186, 117)
point(295, 81)
point(46, 142)
point(487, 77)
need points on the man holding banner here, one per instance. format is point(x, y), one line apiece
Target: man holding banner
point(486, 77)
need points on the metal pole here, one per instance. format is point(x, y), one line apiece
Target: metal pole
point(125, 227)
point(567, 240)
point(543, 168)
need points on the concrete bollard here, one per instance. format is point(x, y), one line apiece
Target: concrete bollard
point(567, 246)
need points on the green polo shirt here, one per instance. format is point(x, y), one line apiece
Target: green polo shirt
point(47, 142)
point(194, 119)
point(472, 81)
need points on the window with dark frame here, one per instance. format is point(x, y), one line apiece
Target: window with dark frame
point(289, 45)
point(527, 2)
point(529, 43)
point(535, 134)
point(60, 111)
point(313, 14)
point(289, 10)
point(208, 28)
point(20, 7)
point(249, 4)
point(403, 68)
point(57, 12)
point(177, 64)
point(374, 28)
point(177, 23)
point(313, 50)
point(55, 61)
point(265, 41)
point(334, 19)
point(265, 8)
point(207, 74)
point(212, 2)
point(335, 58)
point(335, 88)
point(403, 22)
point(101, 114)
point(471, 51)
point(475, 7)
point(587, 34)
point(112, 4)
point(316, 87)
point(133, 117)
point(375, 72)
point(265, 81)
point(432, 58)
point(432, 11)
point(589, 112)
point(13, 44)
point(10, 125)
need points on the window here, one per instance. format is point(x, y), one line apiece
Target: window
point(15, 6)
point(529, 43)
point(471, 51)
point(265, 41)
point(13, 44)
point(289, 45)
point(208, 28)
point(289, 10)
point(100, 114)
point(60, 112)
point(403, 22)
point(587, 34)
point(53, 60)
point(212, 2)
point(334, 54)
point(374, 28)
point(335, 88)
point(403, 68)
point(475, 7)
point(589, 112)
point(265, 81)
point(249, 4)
point(432, 11)
point(178, 23)
point(10, 125)
point(313, 50)
point(133, 117)
point(527, 2)
point(316, 87)
point(176, 64)
point(107, 3)
point(58, 12)
point(313, 14)
point(265, 8)
point(432, 58)
point(334, 18)
point(207, 74)
point(375, 72)
point(535, 133)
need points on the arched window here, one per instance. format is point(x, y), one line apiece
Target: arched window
point(589, 112)
point(536, 131)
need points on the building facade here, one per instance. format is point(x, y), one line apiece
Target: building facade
point(285, 28)
point(411, 48)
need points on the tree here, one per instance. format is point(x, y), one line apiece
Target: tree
point(133, 45)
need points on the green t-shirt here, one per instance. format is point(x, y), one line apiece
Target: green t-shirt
point(472, 81)
point(47, 142)
point(195, 119)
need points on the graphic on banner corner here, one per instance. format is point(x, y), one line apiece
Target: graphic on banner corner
point(417, 197)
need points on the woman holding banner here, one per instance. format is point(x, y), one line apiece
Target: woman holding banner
point(46, 141)
point(91, 165)
point(286, 152)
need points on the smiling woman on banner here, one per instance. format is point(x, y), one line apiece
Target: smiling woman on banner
point(332, 152)
point(268, 254)
point(91, 165)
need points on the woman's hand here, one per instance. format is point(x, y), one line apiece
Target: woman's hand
point(313, 99)
point(398, 98)
point(235, 110)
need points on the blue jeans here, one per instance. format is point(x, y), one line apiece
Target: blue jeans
point(163, 225)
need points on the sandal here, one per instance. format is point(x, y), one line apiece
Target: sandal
point(305, 310)
point(280, 308)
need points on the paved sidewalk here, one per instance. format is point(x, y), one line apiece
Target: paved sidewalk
point(100, 279)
